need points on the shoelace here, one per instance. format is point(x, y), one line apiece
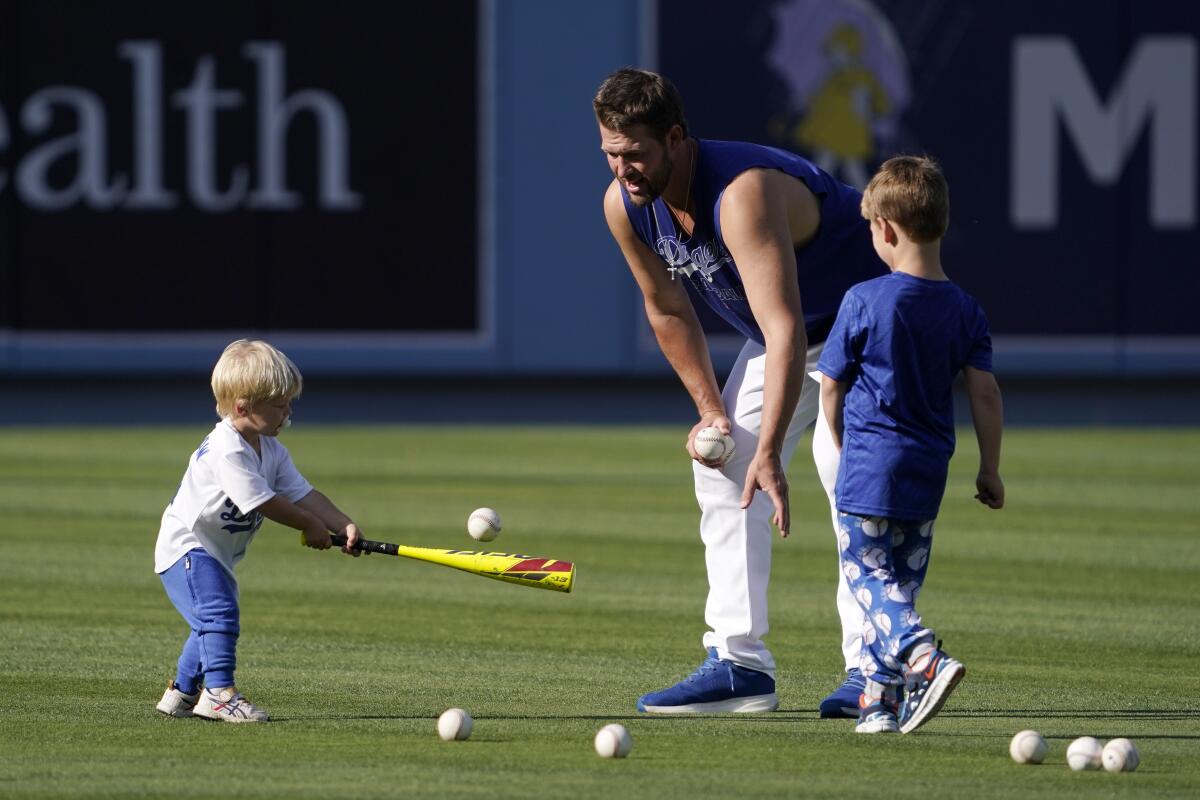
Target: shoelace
point(234, 705)
point(914, 681)
point(243, 705)
point(709, 665)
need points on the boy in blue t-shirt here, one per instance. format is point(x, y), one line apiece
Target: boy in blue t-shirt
point(886, 390)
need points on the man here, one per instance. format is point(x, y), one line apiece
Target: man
point(751, 231)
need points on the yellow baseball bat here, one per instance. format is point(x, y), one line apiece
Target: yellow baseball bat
point(523, 570)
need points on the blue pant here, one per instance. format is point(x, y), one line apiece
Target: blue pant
point(884, 561)
point(207, 597)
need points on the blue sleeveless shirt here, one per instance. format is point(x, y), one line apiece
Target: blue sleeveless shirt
point(839, 255)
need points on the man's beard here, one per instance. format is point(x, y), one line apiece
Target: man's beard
point(655, 185)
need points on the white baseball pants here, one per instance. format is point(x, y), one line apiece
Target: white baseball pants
point(737, 542)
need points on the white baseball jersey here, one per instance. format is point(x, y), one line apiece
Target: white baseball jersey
point(214, 507)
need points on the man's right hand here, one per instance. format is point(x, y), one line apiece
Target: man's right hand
point(710, 419)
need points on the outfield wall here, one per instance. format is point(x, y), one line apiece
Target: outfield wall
point(389, 191)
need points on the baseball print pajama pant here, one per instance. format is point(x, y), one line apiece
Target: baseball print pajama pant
point(884, 563)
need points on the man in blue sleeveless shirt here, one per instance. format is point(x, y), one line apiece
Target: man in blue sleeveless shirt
point(770, 243)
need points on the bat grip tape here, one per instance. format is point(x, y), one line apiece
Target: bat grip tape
point(366, 545)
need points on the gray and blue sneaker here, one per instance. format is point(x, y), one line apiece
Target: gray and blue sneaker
point(716, 687)
point(843, 703)
point(926, 690)
point(876, 716)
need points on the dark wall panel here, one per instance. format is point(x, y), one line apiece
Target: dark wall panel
point(269, 165)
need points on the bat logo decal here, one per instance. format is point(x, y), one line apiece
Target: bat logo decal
point(540, 565)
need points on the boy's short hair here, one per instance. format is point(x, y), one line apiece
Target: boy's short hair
point(911, 192)
point(631, 97)
point(254, 371)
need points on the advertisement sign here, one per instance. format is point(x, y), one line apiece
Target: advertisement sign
point(1069, 139)
point(229, 166)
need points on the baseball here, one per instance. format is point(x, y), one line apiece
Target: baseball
point(1027, 747)
point(1084, 753)
point(1120, 755)
point(455, 724)
point(712, 445)
point(483, 524)
point(613, 741)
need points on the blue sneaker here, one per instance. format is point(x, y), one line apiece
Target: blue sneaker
point(926, 690)
point(715, 687)
point(843, 703)
point(878, 716)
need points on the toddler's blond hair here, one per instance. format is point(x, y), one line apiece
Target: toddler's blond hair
point(253, 371)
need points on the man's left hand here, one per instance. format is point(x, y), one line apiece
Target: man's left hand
point(766, 473)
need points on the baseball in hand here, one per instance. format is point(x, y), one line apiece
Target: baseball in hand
point(455, 725)
point(613, 741)
point(712, 445)
point(483, 524)
point(1028, 747)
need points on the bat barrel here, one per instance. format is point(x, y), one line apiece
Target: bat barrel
point(538, 573)
point(523, 570)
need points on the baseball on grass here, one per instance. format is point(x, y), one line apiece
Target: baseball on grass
point(1027, 747)
point(712, 445)
point(455, 725)
point(1120, 755)
point(1084, 753)
point(613, 741)
point(483, 524)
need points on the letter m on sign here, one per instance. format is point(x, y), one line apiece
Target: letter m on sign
point(1156, 90)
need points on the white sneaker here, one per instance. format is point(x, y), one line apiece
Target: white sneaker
point(175, 703)
point(229, 705)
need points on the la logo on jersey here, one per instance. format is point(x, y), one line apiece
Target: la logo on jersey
point(705, 258)
point(239, 522)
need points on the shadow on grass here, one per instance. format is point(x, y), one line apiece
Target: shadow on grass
point(787, 716)
point(1067, 713)
point(433, 717)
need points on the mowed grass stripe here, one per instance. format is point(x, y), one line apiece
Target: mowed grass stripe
point(1073, 609)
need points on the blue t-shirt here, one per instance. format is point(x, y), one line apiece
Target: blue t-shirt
point(899, 341)
point(839, 255)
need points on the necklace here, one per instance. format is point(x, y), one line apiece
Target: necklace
point(687, 199)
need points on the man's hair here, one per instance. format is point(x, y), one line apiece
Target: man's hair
point(911, 192)
point(632, 97)
point(254, 371)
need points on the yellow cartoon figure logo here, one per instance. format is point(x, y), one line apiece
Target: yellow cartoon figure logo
point(847, 81)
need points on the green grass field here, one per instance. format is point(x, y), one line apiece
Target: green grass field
point(1076, 610)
